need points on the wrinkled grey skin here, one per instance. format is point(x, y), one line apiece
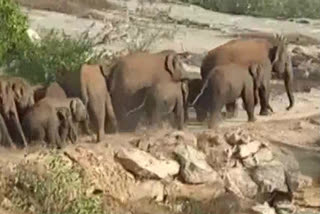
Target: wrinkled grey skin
point(5, 138)
point(10, 115)
point(224, 84)
point(43, 122)
point(162, 100)
point(77, 109)
point(254, 51)
point(90, 85)
point(132, 75)
point(54, 90)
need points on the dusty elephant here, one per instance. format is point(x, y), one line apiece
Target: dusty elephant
point(53, 90)
point(254, 51)
point(46, 123)
point(10, 115)
point(224, 84)
point(89, 84)
point(75, 105)
point(132, 75)
point(5, 138)
point(163, 99)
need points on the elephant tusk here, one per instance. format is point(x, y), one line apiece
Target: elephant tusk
point(137, 108)
point(201, 92)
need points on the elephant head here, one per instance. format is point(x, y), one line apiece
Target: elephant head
point(23, 94)
point(9, 112)
point(282, 65)
point(174, 64)
point(78, 110)
point(66, 126)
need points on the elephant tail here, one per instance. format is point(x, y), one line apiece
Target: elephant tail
point(205, 85)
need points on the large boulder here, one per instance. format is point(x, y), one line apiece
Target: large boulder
point(144, 165)
point(270, 177)
point(194, 168)
point(240, 183)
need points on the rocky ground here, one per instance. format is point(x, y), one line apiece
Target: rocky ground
point(164, 171)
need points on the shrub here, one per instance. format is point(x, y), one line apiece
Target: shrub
point(56, 186)
point(264, 8)
point(13, 27)
point(39, 62)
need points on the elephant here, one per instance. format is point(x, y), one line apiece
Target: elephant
point(163, 99)
point(5, 138)
point(53, 90)
point(90, 85)
point(78, 110)
point(46, 123)
point(132, 75)
point(224, 84)
point(254, 51)
point(8, 110)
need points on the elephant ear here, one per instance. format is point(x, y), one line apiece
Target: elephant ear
point(171, 66)
point(17, 90)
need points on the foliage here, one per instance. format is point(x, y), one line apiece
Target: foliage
point(56, 50)
point(13, 29)
point(58, 187)
point(264, 8)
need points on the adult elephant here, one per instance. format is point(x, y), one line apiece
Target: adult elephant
point(89, 84)
point(10, 115)
point(132, 76)
point(254, 51)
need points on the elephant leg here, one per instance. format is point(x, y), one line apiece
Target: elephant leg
point(215, 114)
point(264, 101)
point(110, 115)
point(231, 109)
point(53, 137)
point(248, 100)
point(179, 113)
point(97, 114)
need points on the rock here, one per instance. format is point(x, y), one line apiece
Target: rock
point(308, 197)
point(291, 166)
point(238, 137)
point(198, 192)
point(194, 168)
point(251, 148)
point(185, 137)
point(263, 155)
point(227, 203)
point(249, 162)
point(270, 177)
point(263, 209)
point(304, 181)
point(144, 165)
point(149, 189)
point(240, 183)
point(284, 207)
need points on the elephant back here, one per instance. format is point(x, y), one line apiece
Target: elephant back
point(241, 51)
point(70, 82)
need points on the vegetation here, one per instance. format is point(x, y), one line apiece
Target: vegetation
point(264, 8)
point(57, 186)
point(13, 35)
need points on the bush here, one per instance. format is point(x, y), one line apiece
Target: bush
point(264, 8)
point(39, 62)
point(13, 30)
point(56, 186)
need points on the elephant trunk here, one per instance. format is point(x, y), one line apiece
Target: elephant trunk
point(288, 81)
point(13, 117)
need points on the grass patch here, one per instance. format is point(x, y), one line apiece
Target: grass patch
point(53, 186)
point(264, 8)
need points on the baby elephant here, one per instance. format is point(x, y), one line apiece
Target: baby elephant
point(44, 122)
point(224, 85)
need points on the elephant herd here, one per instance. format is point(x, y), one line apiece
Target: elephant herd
point(142, 88)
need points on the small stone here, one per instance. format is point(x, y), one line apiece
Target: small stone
point(149, 189)
point(249, 162)
point(263, 155)
point(246, 150)
point(263, 209)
